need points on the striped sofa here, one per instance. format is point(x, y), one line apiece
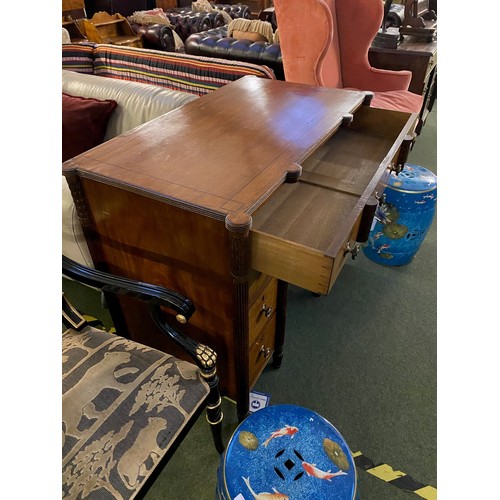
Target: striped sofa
point(182, 72)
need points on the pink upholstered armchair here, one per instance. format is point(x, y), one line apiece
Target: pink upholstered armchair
point(326, 42)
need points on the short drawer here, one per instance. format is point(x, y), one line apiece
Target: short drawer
point(301, 234)
point(261, 350)
point(263, 307)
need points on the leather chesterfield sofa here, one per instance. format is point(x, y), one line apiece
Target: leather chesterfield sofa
point(216, 43)
point(155, 36)
point(186, 23)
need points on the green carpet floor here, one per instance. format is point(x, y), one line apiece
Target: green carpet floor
point(364, 357)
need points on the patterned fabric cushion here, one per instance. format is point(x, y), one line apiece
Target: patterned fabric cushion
point(78, 57)
point(194, 74)
point(123, 405)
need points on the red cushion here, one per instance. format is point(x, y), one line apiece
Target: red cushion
point(84, 123)
point(398, 100)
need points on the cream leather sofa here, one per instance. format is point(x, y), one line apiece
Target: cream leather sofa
point(138, 103)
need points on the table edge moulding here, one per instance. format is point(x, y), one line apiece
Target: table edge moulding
point(188, 201)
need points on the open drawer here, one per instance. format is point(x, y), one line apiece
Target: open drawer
point(305, 230)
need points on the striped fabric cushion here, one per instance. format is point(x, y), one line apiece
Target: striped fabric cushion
point(78, 57)
point(194, 74)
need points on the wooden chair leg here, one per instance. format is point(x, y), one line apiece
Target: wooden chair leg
point(214, 413)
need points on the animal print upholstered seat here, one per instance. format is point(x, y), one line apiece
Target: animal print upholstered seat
point(123, 406)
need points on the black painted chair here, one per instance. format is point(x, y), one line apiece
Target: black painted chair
point(126, 407)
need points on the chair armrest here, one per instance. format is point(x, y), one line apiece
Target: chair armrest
point(365, 77)
point(156, 296)
point(152, 294)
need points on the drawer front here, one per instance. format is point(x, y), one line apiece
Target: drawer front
point(261, 350)
point(290, 262)
point(257, 282)
point(262, 309)
point(305, 231)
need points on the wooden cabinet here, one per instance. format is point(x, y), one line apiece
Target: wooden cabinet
point(229, 198)
point(113, 29)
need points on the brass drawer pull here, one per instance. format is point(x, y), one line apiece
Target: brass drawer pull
point(267, 310)
point(354, 250)
point(266, 351)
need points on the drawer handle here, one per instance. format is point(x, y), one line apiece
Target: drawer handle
point(354, 250)
point(267, 310)
point(380, 198)
point(396, 169)
point(266, 351)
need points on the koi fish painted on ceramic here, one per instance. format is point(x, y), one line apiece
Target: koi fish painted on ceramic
point(383, 247)
point(265, 496)
point(288, 430)
point(376, 236)
point(313, 471)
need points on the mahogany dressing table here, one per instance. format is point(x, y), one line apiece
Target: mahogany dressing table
point(231, 197)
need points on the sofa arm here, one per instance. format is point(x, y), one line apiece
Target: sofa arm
point(214, 44)
point(187, 23)
point(155, 36)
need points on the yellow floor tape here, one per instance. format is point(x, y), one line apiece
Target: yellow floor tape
point(394, 477)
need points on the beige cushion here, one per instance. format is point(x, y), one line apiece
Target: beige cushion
point(65, 36)
point(138, 103)
point(250, 29)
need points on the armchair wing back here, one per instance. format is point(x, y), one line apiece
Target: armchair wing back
point(358, 21)
point(326, 43)
point(309, 42)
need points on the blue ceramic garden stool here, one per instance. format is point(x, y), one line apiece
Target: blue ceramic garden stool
point(286, 452)
point(404, 218)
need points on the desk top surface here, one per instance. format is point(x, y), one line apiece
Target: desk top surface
point(226, 152)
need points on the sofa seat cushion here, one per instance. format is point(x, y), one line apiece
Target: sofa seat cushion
point(123, 405)
point(398, 100)
point(84, 123)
